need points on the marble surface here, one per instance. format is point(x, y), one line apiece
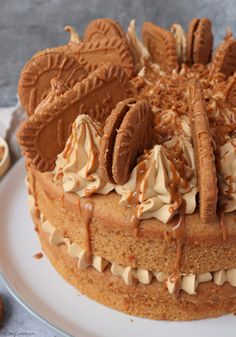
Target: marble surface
point(27, 26)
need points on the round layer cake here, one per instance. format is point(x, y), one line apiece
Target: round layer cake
point(131, 167)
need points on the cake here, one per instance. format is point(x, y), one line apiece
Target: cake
point(130, 152)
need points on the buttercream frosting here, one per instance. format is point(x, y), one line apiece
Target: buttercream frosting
point(77, 166)
point(155, 197)
point(140, 52)
point(227, 175)
point(180, 40)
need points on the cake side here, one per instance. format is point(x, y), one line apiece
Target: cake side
point(113, 239)
point(151, 301)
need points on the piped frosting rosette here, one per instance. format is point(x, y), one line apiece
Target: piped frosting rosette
point(155, 196)
point(77, 166)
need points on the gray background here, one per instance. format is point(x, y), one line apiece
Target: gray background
point(27, 26)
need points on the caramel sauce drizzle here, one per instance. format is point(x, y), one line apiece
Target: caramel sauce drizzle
point(180, 236)
point(36, 208)
point(223, 208)
point(178, 232)
point(93, 154)
point(71, 145)
point(173, 185)
point(223, 227)
point(87, 214)
point(133, 199)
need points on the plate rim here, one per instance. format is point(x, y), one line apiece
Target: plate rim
point(10, 288)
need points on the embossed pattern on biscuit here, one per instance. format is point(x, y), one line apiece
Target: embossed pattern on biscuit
point(203, 42)
point(107, 50)
point(134, 136)
point(44, 134)
point(101, 28)
point(161, 45)
point(128, 131)
point(34, 82)
point(225, 58)
point(58, 88)
point(190, 39)
point(113, 123)
point(199, 41)
point(205, 159)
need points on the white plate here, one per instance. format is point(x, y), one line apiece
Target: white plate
point(38, 287)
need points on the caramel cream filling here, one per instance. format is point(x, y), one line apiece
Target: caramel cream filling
point(131, 276)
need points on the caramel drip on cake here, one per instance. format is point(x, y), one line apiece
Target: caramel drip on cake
point(179, 234)
point(223, 209)
point(93, 164)
point(173, 185)
point(36, 209)
point(221, 215)
point(63, 199)
point(134, 197)
point(71, 145)
point(94, 154)
point(179, 230)
point(87, 213)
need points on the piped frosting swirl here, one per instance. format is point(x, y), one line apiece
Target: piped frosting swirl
point(156, 198)
point(77, 166)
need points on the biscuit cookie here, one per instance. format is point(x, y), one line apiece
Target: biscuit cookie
point(101, 28)
point(199, 41)
point(44, 134)
point(113, 123)
point(128, 131)
point(107, 50)
point(58, 88)
point(203, 149)
point(225, 58)
point(190, 38)
point(161, 45)
point(35, 77)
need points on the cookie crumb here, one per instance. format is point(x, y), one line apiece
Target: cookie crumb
point(38, 256)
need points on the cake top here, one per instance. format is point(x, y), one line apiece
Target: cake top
point(152, 120)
